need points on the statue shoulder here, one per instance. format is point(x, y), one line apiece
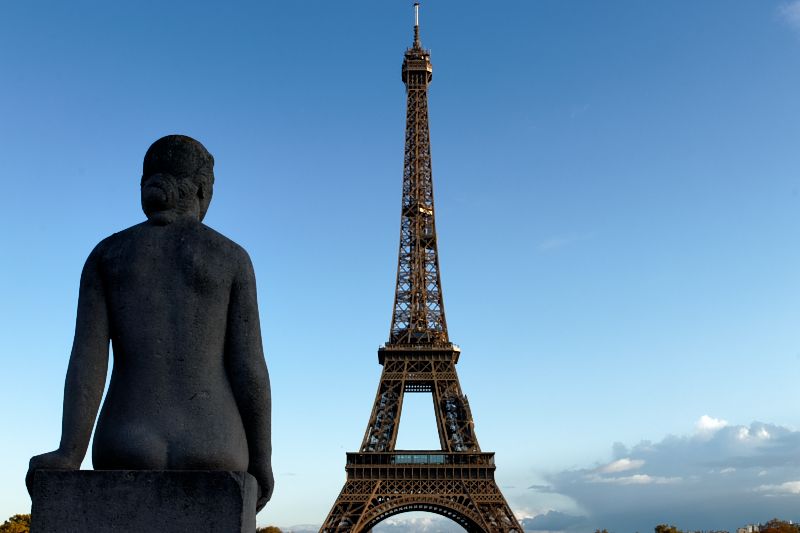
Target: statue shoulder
point(112, 245)
point(231, 250)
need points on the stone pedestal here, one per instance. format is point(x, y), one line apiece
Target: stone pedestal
point(135, 501)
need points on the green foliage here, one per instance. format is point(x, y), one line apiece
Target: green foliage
point(268, 529)
point(664, 528)
point(19, 523)
point(604, 530)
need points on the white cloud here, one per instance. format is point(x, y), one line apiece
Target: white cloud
point(635, 479)
point(417, 522)
point(790, 12)
point(761, 433)
point(707, 425)
point(787, 487)
point(729, 470)
point(554, 521)
point(578, 110)
point(621, 465)
point(560, 241)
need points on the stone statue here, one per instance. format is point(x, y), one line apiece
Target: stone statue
point(189, 387)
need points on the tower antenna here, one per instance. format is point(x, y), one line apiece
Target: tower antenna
point(416, 24)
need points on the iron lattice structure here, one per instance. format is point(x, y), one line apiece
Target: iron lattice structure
point(418, 316)
point(456, 481)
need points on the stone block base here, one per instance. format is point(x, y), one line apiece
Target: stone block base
point(135, 501)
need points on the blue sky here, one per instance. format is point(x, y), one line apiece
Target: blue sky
point(617, 198)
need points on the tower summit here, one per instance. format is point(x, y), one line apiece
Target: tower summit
point(418, 316)
point(456, 480)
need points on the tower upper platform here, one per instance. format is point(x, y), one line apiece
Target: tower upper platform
point(417, 68)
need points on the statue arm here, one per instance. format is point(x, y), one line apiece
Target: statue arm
point(247, 371)
point(86, 374)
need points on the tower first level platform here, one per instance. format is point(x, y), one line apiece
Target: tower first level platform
point(459, 486)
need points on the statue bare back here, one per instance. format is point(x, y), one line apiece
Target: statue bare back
point(189, 387)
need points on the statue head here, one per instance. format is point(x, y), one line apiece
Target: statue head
point(177, 179)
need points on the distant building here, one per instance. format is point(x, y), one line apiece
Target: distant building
point(749, 528)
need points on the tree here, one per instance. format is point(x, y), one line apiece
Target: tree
point(779, 526)
point(19, 523)
point(604, 530)
point(266, 529)
point(664, 528)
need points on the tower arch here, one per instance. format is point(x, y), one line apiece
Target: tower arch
point(459, 514)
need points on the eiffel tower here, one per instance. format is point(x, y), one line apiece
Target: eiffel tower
point(456, 481)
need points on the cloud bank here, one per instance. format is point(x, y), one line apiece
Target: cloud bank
point(423, 523)
point(554, 521)
point(721, 476)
